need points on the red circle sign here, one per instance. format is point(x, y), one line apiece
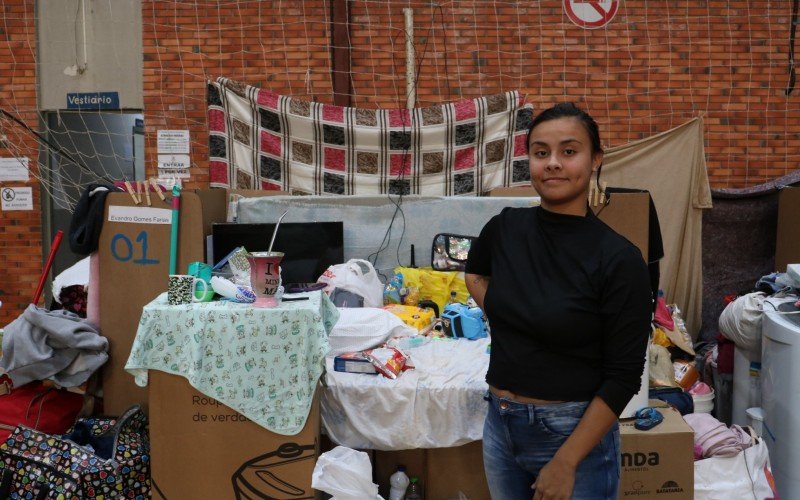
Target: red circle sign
point(591, 14)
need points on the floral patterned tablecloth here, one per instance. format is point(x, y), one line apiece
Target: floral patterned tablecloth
point(263, 363)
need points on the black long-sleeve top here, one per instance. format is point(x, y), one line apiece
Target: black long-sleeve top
point(569, 305)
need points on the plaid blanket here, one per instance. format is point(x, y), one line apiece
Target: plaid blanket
point(262, 140)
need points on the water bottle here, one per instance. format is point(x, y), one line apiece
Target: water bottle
point(398, 482)
point(414, 489)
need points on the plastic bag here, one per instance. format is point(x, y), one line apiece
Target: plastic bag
point(356, 276)
point(365, 328)
point(740, 321)
point(747, 475)
point(435, 285)
point(662, 372)
point(346, 474)
point(389, 361)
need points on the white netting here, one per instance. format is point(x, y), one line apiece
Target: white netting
point(654, 66)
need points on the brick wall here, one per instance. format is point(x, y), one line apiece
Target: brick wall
point(20, 231)
point(655, 66)
point(283, 49)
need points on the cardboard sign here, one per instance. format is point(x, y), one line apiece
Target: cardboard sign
point(134, 268)
point(16, 198)
point(204, 449)
point(14, 169)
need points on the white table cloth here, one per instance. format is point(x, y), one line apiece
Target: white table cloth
point(438, 404)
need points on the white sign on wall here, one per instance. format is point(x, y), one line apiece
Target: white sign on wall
point(174, 165)
point(139, 215)
point(14, 169)
point(173, 141)
point(16, 198)
point(589, 14)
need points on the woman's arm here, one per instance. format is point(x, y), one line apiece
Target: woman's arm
point(477, 285)
point(557, 478)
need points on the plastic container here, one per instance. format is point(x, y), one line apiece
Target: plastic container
point(414, 489)
point(756, 417)
point(399, 483)
point(703, 403)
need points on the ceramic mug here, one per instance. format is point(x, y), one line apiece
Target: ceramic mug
point(181, 288)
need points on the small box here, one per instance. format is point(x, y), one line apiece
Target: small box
point(657, 462)
point(353, 362)
point(415, 317)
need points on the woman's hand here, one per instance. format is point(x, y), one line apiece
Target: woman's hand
point(555, 481)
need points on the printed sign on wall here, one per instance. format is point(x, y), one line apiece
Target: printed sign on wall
point(16, 198)
point(173, 142)
point(14, 169)
point(591, 14)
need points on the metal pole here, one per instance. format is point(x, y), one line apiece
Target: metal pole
point(411, 64)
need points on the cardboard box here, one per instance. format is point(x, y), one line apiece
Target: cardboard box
point(443, 472)
point(658, 463)
point(201, 448)
point(787, 244)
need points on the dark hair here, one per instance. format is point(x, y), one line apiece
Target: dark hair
point(567, 110)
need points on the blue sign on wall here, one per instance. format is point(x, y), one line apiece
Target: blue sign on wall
point(93, 100)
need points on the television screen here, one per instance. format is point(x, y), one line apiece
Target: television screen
point(308, 247)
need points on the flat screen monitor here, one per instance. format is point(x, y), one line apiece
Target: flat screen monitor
point(308, 247)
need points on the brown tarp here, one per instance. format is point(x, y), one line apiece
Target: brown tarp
point(671, 165)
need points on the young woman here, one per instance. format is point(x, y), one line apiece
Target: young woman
point(569, 303)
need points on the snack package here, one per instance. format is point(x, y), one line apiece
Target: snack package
point(416, 317)
point(391, 292)
point(389, 361)
point(685, 373)
point(240, 267)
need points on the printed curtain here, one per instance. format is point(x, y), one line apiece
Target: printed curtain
point(262, 140)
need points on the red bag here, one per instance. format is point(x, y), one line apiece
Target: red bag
point(33, 405)
point(662, 316)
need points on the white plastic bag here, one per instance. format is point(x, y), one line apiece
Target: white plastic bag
point(740, 321)
point(356, 276)
point(364, 328)
point(747, 475)
point(78, 274)
point(346, 474)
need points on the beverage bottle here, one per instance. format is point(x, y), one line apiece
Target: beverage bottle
point(452, 299)
point(414, 489)
point(398, 482)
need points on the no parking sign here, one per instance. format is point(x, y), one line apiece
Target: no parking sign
point(591, 14)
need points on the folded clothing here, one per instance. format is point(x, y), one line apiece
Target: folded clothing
point(714, 438)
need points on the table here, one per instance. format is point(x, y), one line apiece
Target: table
point(263, 363)
point(436, 405)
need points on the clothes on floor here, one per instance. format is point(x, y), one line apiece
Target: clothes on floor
point(57, 345)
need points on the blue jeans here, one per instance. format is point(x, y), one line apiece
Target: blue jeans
point(519, 439)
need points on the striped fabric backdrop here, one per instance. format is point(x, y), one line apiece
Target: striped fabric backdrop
point(262, 140)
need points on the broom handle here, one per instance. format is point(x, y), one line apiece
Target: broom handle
point(53, 249)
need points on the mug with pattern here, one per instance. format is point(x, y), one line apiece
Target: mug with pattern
point(181, 288)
